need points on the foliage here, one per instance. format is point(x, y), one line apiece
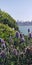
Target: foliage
point(6, 31)
point(7, 19)
point(7, 56)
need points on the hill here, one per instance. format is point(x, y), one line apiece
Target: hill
point(8, 26)
point(14, 49)
point(5, 18)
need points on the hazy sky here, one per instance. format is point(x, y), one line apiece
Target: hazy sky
point(18, 9)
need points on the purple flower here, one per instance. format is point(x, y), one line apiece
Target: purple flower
point(3, 54)
point(28, 30)
point(0, 50)
point(20, 35)
point(0, 40)
point(22, 38)
point(31, 34)
point(3, 45)
point(17, 34)
point(14, 51)
point(10, 40)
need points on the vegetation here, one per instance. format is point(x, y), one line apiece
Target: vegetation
point(13, 49)
point(6, 31)
point(5, 18)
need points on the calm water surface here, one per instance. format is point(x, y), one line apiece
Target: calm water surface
point(24, 29)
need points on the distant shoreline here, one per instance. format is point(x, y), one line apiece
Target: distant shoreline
point(24, 23)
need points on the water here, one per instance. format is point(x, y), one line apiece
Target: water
point(24, 29)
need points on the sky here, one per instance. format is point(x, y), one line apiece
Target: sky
point(19, 9)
